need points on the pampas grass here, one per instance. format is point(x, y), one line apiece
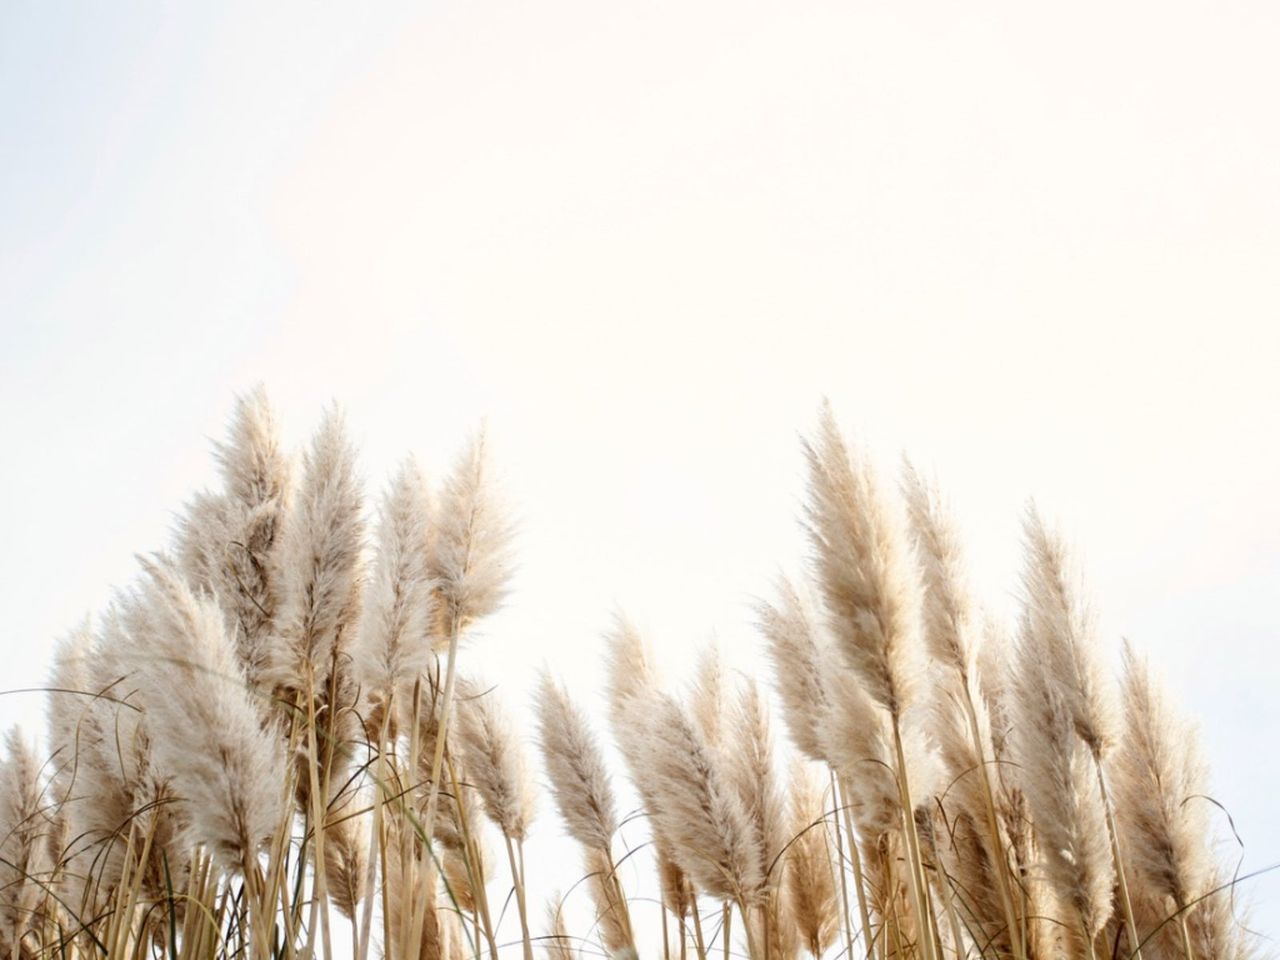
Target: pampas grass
point(271, 747)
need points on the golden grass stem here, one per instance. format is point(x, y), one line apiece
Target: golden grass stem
point(446, 705)
point(915, 866)
point(1002, 868)
point(1186, 936)
point(1126, 905)
point(517, 877)
point(837, 816)
point(698, 942)
point(855, 862)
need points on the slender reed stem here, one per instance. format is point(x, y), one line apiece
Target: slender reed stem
point(1186, 936)
point(837, 816)
point(1131, 928)
point(698, 942)
point(517, 878)
point(915, 870)
point(855, 861)
point(446, 704)
point(1002, 868)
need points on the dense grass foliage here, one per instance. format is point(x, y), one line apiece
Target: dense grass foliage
point(270, 746)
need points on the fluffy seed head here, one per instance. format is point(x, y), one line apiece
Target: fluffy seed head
point(1160, 784)
point(808, 865)
point(201, 719)
point(494, 759)
point(319, 561)
point(1058, 776)
point(790, 633)
point(394, 644)
point(1058, 630)
point(949, 624)
point(862, 562)
point(469, 561)
point(696, 808)
point(575, 767)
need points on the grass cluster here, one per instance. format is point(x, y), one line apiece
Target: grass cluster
point(270, 747)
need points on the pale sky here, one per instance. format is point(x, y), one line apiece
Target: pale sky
point(1035, 249)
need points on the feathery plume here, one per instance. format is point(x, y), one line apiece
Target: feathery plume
point(579, 780)
point(318, 560)
point(790, 634)
point(201, 718)
point(748, 755)
point(1058, 630)
point(68, 705)
point(749, 759)
point(949, 623)
point(495, 761)
point(469, 560)
point(863, 565)
point(707, 704)
point(119, 791)
point(630, 675)
point(696, 809)
point(394, 644)
point(24, 862)
point(226, 542)
point(1160, 785)
point(628, 666)
point(345, 853)
point(808, 865)
point(557, 943)
point(1058, 778)
point(858, 737)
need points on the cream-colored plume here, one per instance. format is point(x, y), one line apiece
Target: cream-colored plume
point(318, 564)
point(495, 760)
point(201, 718)
point(809, 864)
point(394, 646)
point(695, 805)
point(226, 541)
point(576, 771)
point(1058, 777)
point(1058, 630)
point(469, 560)
point(25, 865)
point(863, 564)
point(1161, 794)
point(791, 634)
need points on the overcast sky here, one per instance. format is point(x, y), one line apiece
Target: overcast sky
point(1035, 249)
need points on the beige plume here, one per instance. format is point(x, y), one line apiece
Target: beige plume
point(863, 564)
point(394, 646)
point(201, 718)
point(469, 561)
point(318, 563)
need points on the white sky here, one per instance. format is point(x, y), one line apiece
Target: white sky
point(1037, 250)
